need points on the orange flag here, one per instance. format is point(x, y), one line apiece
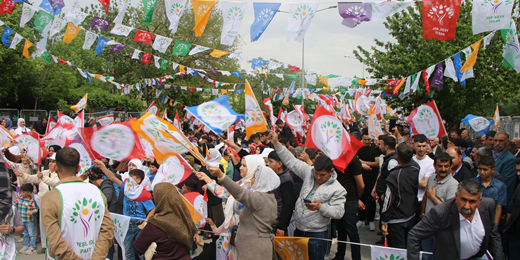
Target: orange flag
point(472, 59)
point(26, 47)
point(201, 10)
point(255, 121)
point(292, 247)
point(218, 53)
point(195, 215)
point(324, 80)
point(396, 89)
point(71, 33)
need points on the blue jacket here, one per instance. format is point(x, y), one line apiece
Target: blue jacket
point(505, 165)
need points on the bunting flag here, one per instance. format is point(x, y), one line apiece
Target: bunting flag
point(438, 79)
point(496, 118)
point(218, 53)
point(149, 7)
point(289, 247)
point(201, 10)
point(440, 19)
point(216, 114)
point(294, 119)
point(152, 109)
point(100, 23)
point(56, 5)
point(200, 204)
point(177, 121)
point(142, 36)
point(75, 16)
point(42, 20)
point(511, 47)
point(27, 13)
point(136, 192)
point(5, 136)
point(56, 26)
point(458, 66)
point(361, 104)
point(300, 17)
point(233, 13)
point(161, 43)
point(380, 252)
point(16, 39)
point(146, 58)
point(173, 170)
point(264, 14)
point(374, 125)
point(101, 44)
point(70, 33)
point(117, 48)
point(181, 48)
point(106, 120)
point(82, 104)
point(5, 36)
point(472, 58)
point(286, 98)
point(198, 49)
point(427, 120)
point(294, 69)
point(329, 136)
point(174, 9)
point(450, 70)
point(121, 224)
point(105, 4)
point(121, 7)
point(165, 139)
point(398, 87)
point(255, 121)
point(354, 13)
point(116, 141)
point(7, 6)
point(30, 142)
point(90, 38)
point(257, 63)
point(26, 47)
point(121, 30)
point(479, 124)
point(489, 15)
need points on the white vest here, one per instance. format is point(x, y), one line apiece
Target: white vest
point(8, 242)
point(82, 213)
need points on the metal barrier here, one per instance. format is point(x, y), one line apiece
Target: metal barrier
point(511, 125)
point(10, 113)
point(32, 116)
point(121, 115)
point(136, 115)
point(96, 115)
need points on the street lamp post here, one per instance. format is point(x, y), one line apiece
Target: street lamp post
point(361, 63)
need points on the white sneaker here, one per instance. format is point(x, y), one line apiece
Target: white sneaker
point(372, 226)
point(24, 248)
point(20, 240)
point(360, 223)
point(30, 251)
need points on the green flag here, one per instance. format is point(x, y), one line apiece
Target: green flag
point(512, 47)
point(42, 20)
point(163, 64)
point(181, 48)
point(149, 7)
point(331, 76)
point(45, 57)
point(294, 77)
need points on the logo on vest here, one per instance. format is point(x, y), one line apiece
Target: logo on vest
point(85, 211)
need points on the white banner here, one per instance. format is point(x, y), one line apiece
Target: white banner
point(490, 15)
point(233, 13)
point(121, 224)
point(300, 17)
point(174, 9)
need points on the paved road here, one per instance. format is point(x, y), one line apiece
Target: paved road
point(367, 237)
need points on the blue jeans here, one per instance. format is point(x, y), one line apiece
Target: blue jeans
point(347, 226)
point(131, 236)
point(427, 246)
point(317, 248)
point(29, 235)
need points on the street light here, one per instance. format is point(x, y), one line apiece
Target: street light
point(361, 63)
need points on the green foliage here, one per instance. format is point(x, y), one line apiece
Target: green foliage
point(410, 54)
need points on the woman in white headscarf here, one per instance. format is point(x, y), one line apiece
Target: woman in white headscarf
point(21, 127)
point(254, 238)
point(137, 164)
point(233, 208)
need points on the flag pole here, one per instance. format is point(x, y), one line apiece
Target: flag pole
point(185, 147)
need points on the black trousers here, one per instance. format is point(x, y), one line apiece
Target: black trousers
point(398, 233)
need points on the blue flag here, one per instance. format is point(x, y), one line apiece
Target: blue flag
point(479, 124)
point(458, 65)
point(88, 78)
point(216, 114)
point(236, 73)
point(45, 5)
point(257, 62)
point(101, 44)
point(5, 37)
point(264, 13)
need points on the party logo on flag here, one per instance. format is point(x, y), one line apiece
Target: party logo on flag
point(136, 192)
point(479, 124)
point(300, 17)
point(106, 120)
point(216, 114)
point(80, 105)
point(294, 248)
point(85, 162)
point(264, 13)
point(489, 15)
point(152, 109)
point(387, 253)
point(255, 121)
point(361, 104)
point(427, 120)
point(174, 170)
point(174, 9)
point(354, 13)
point(440, 19)
point(200, 203)
point(232, 20)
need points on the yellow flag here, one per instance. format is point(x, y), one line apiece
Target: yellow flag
point(80, 105)
point(292, 247)
point(26, 47)
point(324, 88)
point(396, 89)
point(218, 53)
point(195, 215)
point(362, 82)
point(224, 91)
point(255, 121)
point(472, 59)
point(182, 68)
point(201, 10)
point(324, 80)
point(71, 33)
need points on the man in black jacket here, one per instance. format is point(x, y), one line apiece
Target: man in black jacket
point(458, 170)
point(285, 194)
point(284, 130)
point(512, 227)
point(400, 198)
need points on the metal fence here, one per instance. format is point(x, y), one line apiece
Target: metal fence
point(96, 115)
point(12, 114)
point(511, 125)
point(135, 114)
point(32, 116)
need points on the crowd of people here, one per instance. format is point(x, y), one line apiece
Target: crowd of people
point(454, 196)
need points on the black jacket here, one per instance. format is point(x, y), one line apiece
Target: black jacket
point(463, 174)
point(514, 210)
point(381, 182)
point(400, 202)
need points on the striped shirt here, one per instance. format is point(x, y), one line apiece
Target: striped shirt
point(24, 206)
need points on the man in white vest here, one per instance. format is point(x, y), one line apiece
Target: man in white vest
point(75, 214)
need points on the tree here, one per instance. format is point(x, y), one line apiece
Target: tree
point(410, 54)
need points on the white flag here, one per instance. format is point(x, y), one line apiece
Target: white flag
point(75, 16)
point(273, 65)
point(415, 83)
point(469, 73)
point(27, 13)
point(300, 17)
point(122, 5)
point(156, 60)
point(90, 38)
point(380, 10)
point(214, 92)
point(343, 81)
point(17, 38)
point(233, 13)
point(449, 71)
point(56, 26)
point(174, 9)
point(121, 224)
point(311, 79)
point(161, 43)
point(487, 40)
point(198, 49)
point(136, 54)
point(406, 91)
point(122, 30)
point(379, 252)
point(429, 71)
point(175, 65)
point(279, 75)
point(491, 15)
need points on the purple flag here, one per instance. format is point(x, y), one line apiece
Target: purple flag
point(175, 87)
point(56, 5)
point(354, 13)
point(213, 71)
point(100, 23)
point(438, 78)
point(117, 48)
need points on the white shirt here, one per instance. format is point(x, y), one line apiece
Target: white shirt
point(471, 235)
point(427, 170)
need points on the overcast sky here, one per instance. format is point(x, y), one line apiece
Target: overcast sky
point(326, 42)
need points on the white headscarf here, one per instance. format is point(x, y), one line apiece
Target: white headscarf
point(215, 158)
point(15, 150)
point(252, 163)
point(137, 163)
point(266, 180)
point(20, 129)
point(146, 181)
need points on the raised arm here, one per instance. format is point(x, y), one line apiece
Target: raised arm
point(298, 167)
point(110, 175)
